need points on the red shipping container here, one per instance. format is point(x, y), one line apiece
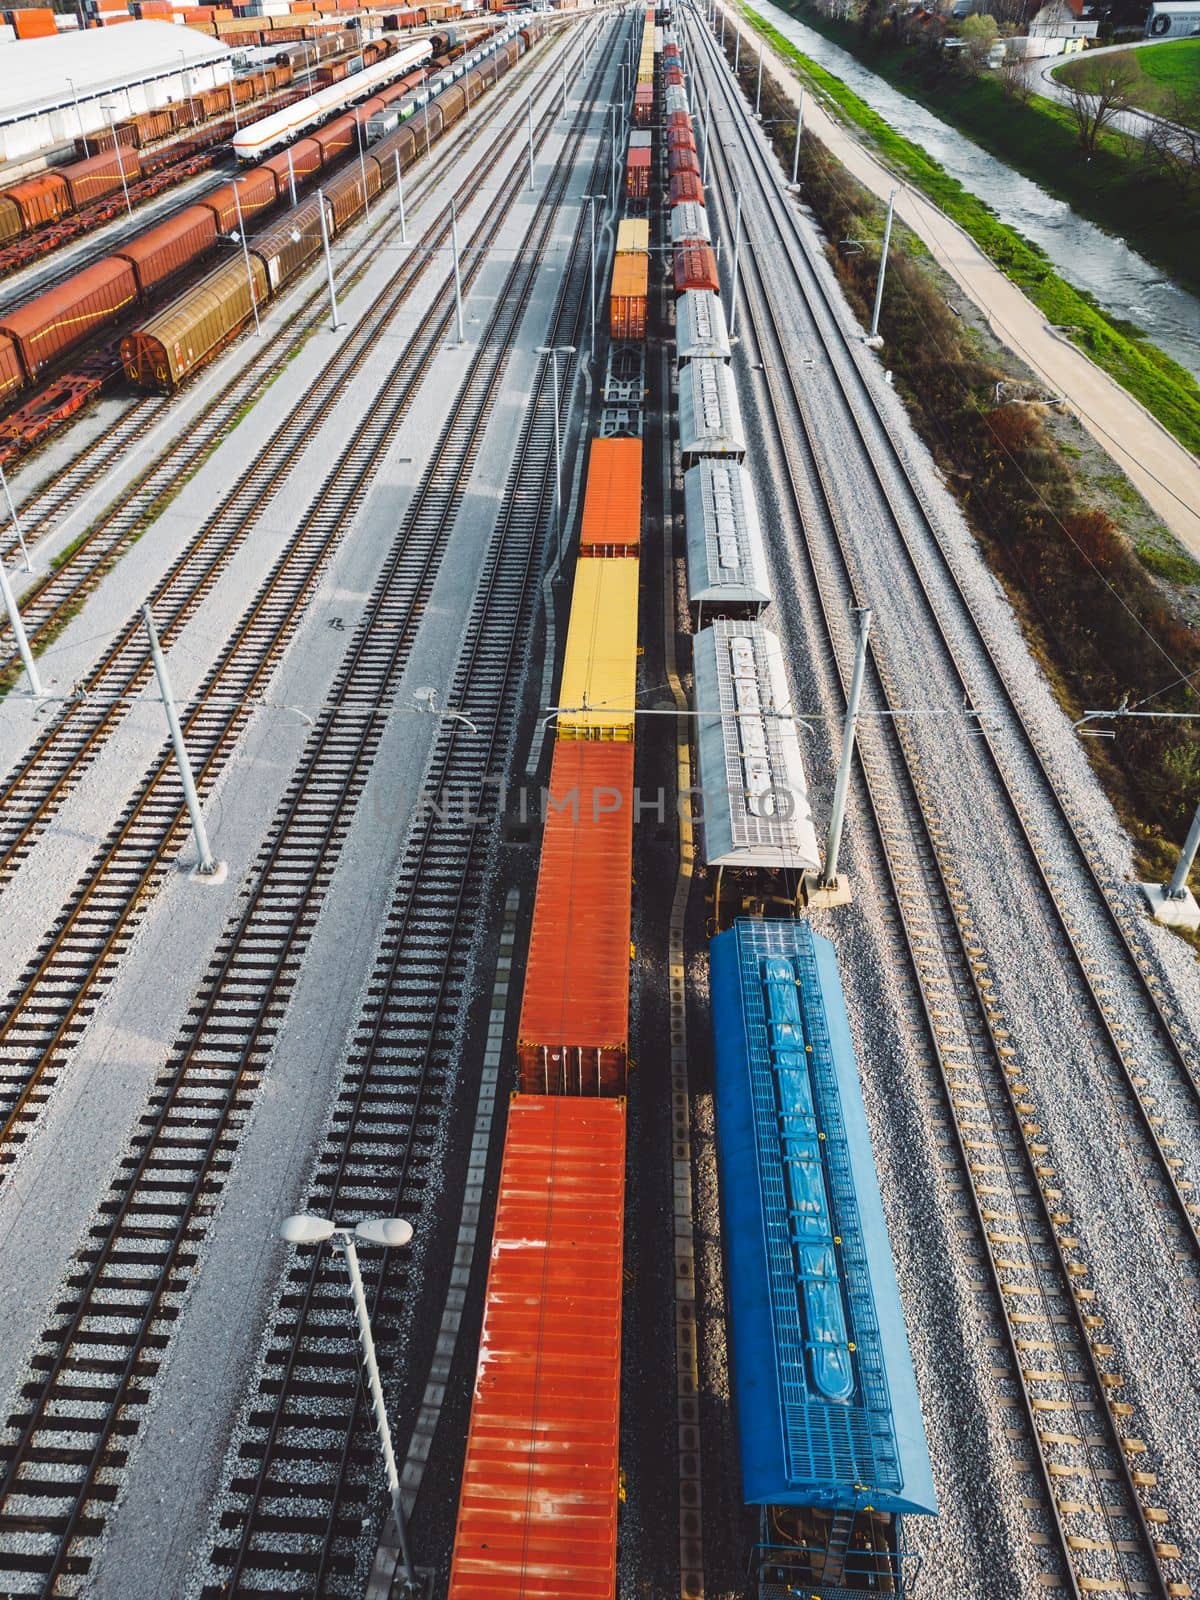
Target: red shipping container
point(612, 501)
point(681, 139)
point(65, 316)
point(686, 186)
point(695, 267)
point(537, 1510)
point(682, 161)
point(673, 78)
point(163, 251)
point(575, 1010)
point(100, 176)
point(256, 194)
point(643, 104)
point(637, 174)
point(41, 199)
point(12, 374)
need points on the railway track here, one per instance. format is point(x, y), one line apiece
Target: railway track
point(95, 1369)
point(58, 989)
point(46, 603)
point(1096, 1508)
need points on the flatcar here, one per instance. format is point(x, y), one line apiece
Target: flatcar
point(831, 1442)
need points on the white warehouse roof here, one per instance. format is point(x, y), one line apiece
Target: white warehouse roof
point(753, 790)
point(101, 61)
point(726, 562)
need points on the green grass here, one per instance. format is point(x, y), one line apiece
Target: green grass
point(1172, 564)
point(1164, 387)
point(1114, 189)
point(1167, 78)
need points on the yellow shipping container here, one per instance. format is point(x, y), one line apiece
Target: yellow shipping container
point(600, 667)
point(633, 236)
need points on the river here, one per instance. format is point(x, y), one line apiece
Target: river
point(1123, 282)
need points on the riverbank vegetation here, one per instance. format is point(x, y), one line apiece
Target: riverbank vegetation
point(1142, 194)
point(1165, 388)
point(1164, 80)
point(1095, 617)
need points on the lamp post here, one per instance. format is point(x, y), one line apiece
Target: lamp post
point(737, 240)
point(458, 305)
point(16, 521)
point(108, 111)
point(79, 117)
point(592, 199)
point(392, 1233)
point(208, 867)
point(233, 108)
point(17, 625)
point(241, 235)
point(362, 163)
point(887, 239)
point(553, 351)
point(333, 309)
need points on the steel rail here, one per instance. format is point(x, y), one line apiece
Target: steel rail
point(765, 319)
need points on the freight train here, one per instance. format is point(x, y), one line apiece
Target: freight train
point(831, 1442)
point(36, 336)
point(172, 344)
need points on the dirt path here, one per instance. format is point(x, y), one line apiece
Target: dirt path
point(1160, 467)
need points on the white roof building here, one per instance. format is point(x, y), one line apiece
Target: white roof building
point(756, 812)
point(726, 561)
point(52, 90)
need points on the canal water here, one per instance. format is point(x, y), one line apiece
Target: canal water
point(1122, 281)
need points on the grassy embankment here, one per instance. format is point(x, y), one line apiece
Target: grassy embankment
point(1115, 188)
point(1164, 387)
point(1165, 77)
point(1093, 616)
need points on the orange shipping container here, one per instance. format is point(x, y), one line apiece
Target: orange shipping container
point(612, 502)
point(627, 306)
point(537, 1512)
point(575, 1009)
point(34, 22)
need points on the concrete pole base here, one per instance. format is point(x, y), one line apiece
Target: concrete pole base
point(820, 896)
point(387, 1581)
point(218, 874)
point(1183, 913)
point(873, 344)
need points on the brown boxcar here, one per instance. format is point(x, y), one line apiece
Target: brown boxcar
point(681, 139)
point(40, 200)
point(159, 254)
point(575, 1009)
point(345, 192)
point(284, 255)
point(336, 138)
point(182, 336)
point(682, 161)
point(637, 175)
point(306, 163)
point(695, 267)
point(152, 125)
point(686, 186)
point(63, 317)
point(11, 225)
point(678, 119)
point(12, 374)
point(627, 304)
point(100, 176)
point(256, 193)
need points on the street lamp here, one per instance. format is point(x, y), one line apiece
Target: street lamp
point(392, 1233)
point(554, 351)
point(108, 111)
point(239, 236)
point(79, 116)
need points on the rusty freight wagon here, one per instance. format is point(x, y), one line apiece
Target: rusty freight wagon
point(161, 353)
point(57, 321)
point(686, 186)
point(574, 1025)
point(537, 1509)
point(695, 267)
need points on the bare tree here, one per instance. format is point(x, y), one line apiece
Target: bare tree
point(1172, 144)
point(1015, 78)
point(1097, 92)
